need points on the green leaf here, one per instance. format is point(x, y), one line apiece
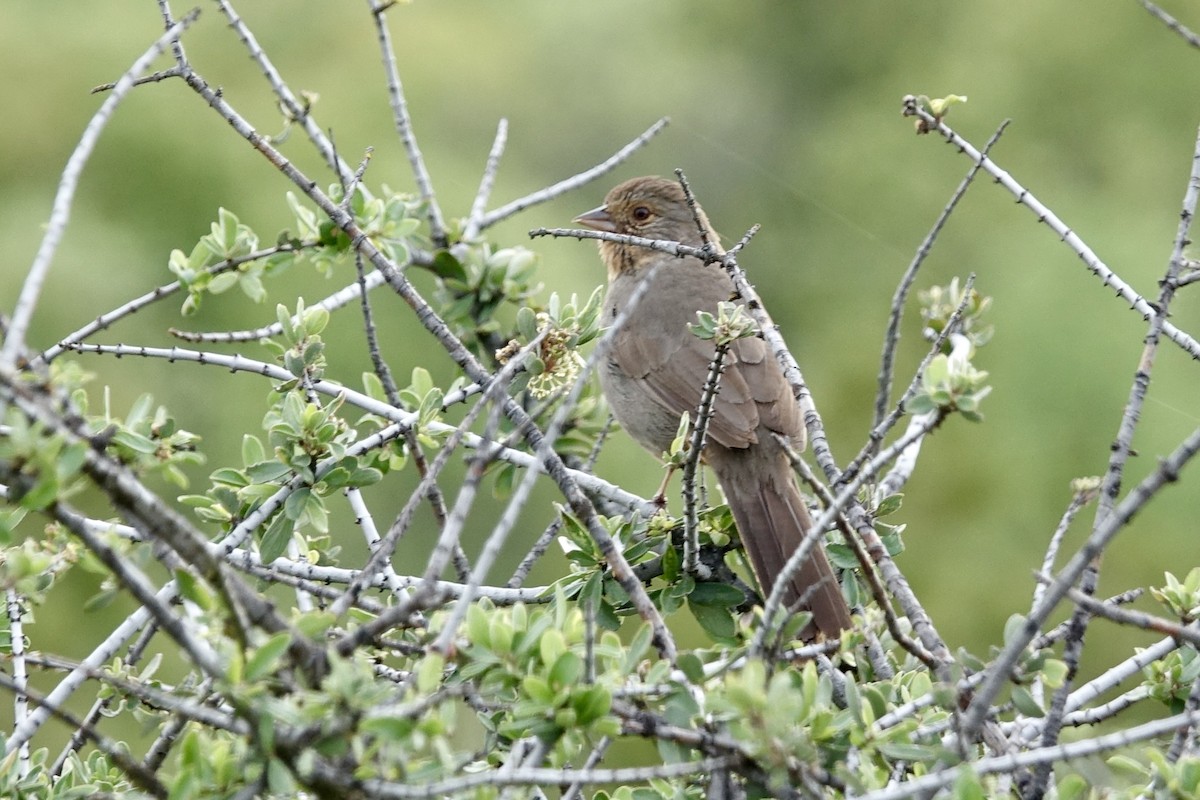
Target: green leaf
point(639, 645)
point(672, 564)
point(919, 404)
point(717, 622)
point(681, 708)
point(140, 411)
point(692, 667)
point(429, 672)
point(252, 286)
point(889, 505)
point(264, 660)
point(591, 704)
point(938, 106)
point(135, 442)
point(968, 787)
point(295, 504)
point(226, 229)
point(41, 495)
point(252, 450)
point(853, 700)
point(394, 729)
point(1013, 627)
point(1128, 765)
point(70, 461)
point(365, 476)
point(267, 471)
point(477, 626)
point(279, 778)
point(607, 618)
point(192, 589)
point(228, 476)
point(906, 751)
point(284, 318)
point(852, 589)
point(712, 593)
point(1025, 703)
point(223, 282)
point(315, 320)
point(275, 538)
point(101, 599)
point(567, 670)
point(314, 623)
point(1054, 672)
point(552, 646)
point(526, 323)
point(1072, 787)
point(445, 265)
point(538, 689)
point(672, 753)
point(422, 382)
point(841, 556)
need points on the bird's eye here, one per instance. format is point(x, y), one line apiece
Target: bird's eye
point(641, 213)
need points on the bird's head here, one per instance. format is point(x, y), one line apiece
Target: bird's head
point(650, 207)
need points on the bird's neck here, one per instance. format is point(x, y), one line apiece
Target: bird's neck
point(621, 259)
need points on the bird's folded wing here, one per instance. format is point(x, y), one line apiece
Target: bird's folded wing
point(673, 369)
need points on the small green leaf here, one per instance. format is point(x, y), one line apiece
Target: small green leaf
point(252, 286)
point(692, 667)
point(591, 704)
point(192, 589)
point(223, 282)
point(228, 476)
point(1072, 787)
point(252, 450)
point(264, 660)
point(567, 670)
point(712, 593)
point(537, 688)
point(267, 471)
point(1054, 672)
point(226, 228)
point(889, 505)
point(938, 106)
point(717, 622)
point(639, 645)
point(1025, 703)
point(135, 442)
point(275, 539)
point(1013, 627)
point(314, 623)
point(295, 504)
point(967, 786)
point(445, 265)
point(1128, 765)
point(526, 323)
point(906, 751)
point(429, 672)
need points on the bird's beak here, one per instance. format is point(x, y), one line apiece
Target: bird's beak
point(598, 220)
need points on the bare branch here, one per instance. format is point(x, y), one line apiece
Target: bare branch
point(14, 339)
point(1185, 33)
point(573, 182)
point(1044, 215)
point(404, 126)
point(892, 336)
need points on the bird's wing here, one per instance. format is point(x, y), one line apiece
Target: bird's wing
point(673, 363)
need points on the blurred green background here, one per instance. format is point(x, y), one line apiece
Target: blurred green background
point(784, 114)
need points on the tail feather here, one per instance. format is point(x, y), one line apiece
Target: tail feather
point(773, 520)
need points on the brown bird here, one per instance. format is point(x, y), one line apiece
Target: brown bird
point(656, 368)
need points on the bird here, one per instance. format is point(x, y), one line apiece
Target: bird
point(655, 369)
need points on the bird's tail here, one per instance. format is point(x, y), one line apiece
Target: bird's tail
point(772, 521)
